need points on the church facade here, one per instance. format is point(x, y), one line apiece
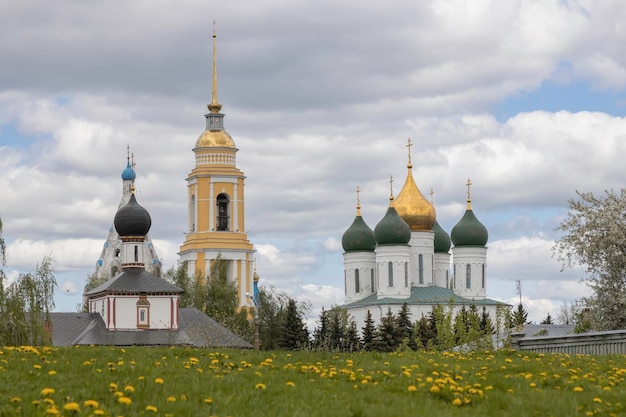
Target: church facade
point(216, 206)
point(409, 258)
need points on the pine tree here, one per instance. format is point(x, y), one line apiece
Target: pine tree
point(547, 320)
point(294, 332)
point(353, 343)
point(519, 316)
point(368, 331)
point(320, 333)
point(386, 339)
point(405, 327)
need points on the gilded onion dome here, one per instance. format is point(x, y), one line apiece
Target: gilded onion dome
point(469, 231)
point(392, 230)
point(214, 136)
point(359, 236)
point(411, 204)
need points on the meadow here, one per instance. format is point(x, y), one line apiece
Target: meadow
point(136, 381)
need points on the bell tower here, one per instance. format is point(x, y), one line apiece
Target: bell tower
point(216, 205)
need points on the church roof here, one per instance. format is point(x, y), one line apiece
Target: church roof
point(423, 295)
point(194, 329)
point(135, 281)
point(392, 230)
point(132, 219)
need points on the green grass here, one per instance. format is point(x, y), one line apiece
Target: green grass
point(195, 382)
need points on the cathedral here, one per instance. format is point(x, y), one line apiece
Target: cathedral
point(406, 259)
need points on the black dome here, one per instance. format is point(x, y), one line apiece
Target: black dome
point(132, 219)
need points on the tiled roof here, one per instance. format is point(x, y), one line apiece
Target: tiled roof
point(135, 280)
point(195, 329)
point(423, 295)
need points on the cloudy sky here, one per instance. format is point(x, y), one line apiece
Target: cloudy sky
point(525, 97)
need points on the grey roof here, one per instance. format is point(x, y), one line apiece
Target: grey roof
point(424, 295)
point(135, 281)
point(194, 329)
point(546, 330)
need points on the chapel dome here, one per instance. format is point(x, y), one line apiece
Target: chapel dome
point(392, 230)
point(442, 238)
point(129, 173)
point(469, 231)
point(215, 139)
point(132, 219)
point(413, 207)
point(358, 237)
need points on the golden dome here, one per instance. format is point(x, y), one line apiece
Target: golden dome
point(413, 207)
point(215, 139)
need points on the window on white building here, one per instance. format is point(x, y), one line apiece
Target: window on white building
point(468, 276)
point(390, 268)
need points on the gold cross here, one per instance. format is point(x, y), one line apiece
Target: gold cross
point(432, 194)
point(358, 197)
point(409, 144)
point(391, 186)
point(469, 183)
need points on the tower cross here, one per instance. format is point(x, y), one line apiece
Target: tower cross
point(469, 200)
point(391, 187)
point(432, 195)
point(408, 145)
point(358, 200)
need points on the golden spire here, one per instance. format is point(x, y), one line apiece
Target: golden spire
point(469, 200)
point(214, 107)
point(391, 190)
point(132, 166)
point(358, 201)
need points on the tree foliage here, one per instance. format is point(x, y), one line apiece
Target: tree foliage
point(594, 237)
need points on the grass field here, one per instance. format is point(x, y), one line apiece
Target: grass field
point(85, 381)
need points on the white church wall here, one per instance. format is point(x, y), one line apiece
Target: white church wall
point(365, 278)
point(421, 243)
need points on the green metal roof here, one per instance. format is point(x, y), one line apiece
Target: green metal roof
point(424, 295)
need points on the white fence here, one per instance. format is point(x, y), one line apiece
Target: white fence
point(592, 343)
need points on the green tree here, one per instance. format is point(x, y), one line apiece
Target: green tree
point(594, 237)
point(368, 331)
point(547, 320)
point(320, 333)
point(353, 343)
point(386, 339)
point(294, 333)
point(404, 327)
point(520, 315)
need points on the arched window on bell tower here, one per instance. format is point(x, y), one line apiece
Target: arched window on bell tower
point(222, 212)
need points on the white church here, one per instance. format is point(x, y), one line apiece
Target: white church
point(409, 258)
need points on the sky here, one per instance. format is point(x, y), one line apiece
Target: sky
point(524, 97)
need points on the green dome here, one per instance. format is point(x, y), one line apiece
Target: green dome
point(358, 237)
point(392, 230)
point(442, 238)
point(469, 231)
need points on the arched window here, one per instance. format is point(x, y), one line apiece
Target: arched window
point(356, 281)
point(222, 212)
point(483, 277)
point(420, 268)
point(468, 276)
point(192, 213)
point(143, 311)
point(372, 279)
point(390, 268)
point(406, 274)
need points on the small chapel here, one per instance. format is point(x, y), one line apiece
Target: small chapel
point(409, 258)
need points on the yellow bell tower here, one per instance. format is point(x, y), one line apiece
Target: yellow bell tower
point(216, 204)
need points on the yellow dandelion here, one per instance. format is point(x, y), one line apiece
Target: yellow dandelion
point(129, 388)
point(37, 366)
point(158, 381)
point(90, 403)
point(434, 389)
point(291, 384)
point(259, 386)
point(578, 389)
point(124, 400)
point(72, 407)
point(457, 401)
point(99, 412)
point(412, 388)
point(47, 391)
point(113, 386)
point(16, 399)
point(52, 373)
point(151, 408)
point(52, 410)
point(171, 399)
point(208, 400)
point(597, 400)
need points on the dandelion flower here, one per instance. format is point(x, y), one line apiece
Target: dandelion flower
point(158, 381)
point(124, 400)
point(16, 399)
point(52, 410)
point(151, 408)
point(72, 407)
point(457, 401)
point(91, 403)
point(129, 388)
point(578, 389)
point(597, 400)
point(259, 386)
point(412, 388)
point(171, 399)
point(47, 391)
point(208, 400)
point(291, 384)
